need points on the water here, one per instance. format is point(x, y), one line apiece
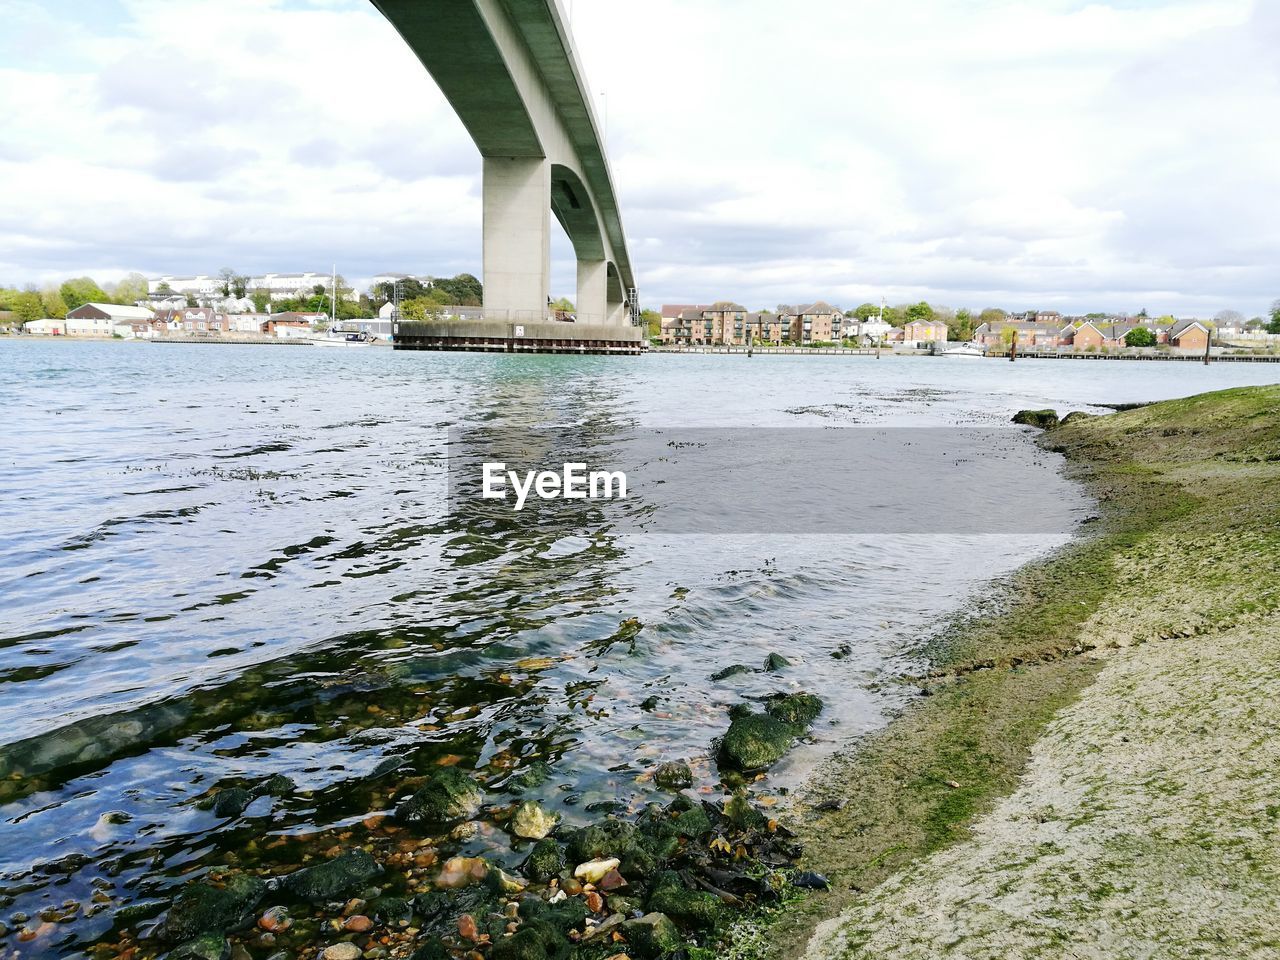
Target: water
point(222, 563)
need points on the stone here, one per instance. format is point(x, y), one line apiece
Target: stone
point(230, 803)
point(675, 775)
point(203, 908)
point(1043, 419)
point(692, 823)
point(808, 880)
point(594, 901)
point(611, 881)
point(740, 812)
point(608, 838)
point(337, 879)
point(461, 872)
point(731, 671)
point(545, 861)
point(467, 928)
point(652, 936)
point(593, 871)
point(341, 951)
point(448, 796)
point(432, 949)
point(277, 785)
point(536, 940)
point(1075, 415)
point(797, 709)
point(693, 907)
point(775, 662)
point(275, 920)
point(207, 946)
point(531, 822)
point(754, 741)
point(357, 924)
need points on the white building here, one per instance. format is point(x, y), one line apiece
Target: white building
point(199, 286)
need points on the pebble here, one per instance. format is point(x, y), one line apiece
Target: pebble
point(612, 881)
point(358, 924)
point(595, 902)
point(353, 907)
point(572, 887)
point(341, 951)
point(275, 920)
point(467, 928)
point(594, 870)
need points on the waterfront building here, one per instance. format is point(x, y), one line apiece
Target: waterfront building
point(100, 319)
point(922, 333)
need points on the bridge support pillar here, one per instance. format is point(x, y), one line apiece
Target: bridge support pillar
point(517, 238)
point(593, 279)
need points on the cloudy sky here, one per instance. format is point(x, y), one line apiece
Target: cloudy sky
point(1044, 153)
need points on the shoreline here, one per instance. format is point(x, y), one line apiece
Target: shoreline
point(899, 823)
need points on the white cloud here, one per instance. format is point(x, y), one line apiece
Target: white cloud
point(1056, 153)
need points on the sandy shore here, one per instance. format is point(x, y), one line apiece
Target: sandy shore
point(1096, 772)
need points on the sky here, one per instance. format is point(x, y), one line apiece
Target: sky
point(1042, 154)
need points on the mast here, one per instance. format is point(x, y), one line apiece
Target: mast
point(333, 298)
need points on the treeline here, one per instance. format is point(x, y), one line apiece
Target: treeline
point(55, 300)
point(421, 300)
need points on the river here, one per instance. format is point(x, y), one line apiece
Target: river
point(223, 563)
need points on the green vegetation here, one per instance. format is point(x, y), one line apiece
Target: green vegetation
point(1186, 546)
point(653, 322)
point(1140, 337)
point(1274, 325)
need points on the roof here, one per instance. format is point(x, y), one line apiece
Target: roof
point(676, 309)
point(1182, 326)
point(117, 311)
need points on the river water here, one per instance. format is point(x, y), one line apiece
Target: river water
point(223, 563)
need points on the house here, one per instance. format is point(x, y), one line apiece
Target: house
point(814, 322)
point(48, 327)
point(1190, 335)
point(871, 330)
point(288, 326)
point(923, 332)
point(1029, 334)
point(100, 319)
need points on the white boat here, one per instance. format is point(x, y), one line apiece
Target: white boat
point(965, 350)
point(338, 338)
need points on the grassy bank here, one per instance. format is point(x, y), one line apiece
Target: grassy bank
point(1104, 670)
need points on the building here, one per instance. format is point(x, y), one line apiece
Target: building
point(48, 327)
point(1030, 334)
point(100, 319)
point(1190, 335)
point(871, 330)
point(813, 323)
point(921, 333)
point(200, 285)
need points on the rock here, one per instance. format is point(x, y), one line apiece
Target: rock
point(433, 949)
point(341, 951)
point(448, 796)
point(536, 940)
point(692, 823)
point(275, 920)
point(775, 662)
point(611, 881)
point(530, 778)
point(545, 861)
point(227, 803)
point(461, 872)
point(204, 908)
point(357, 924)
point(208, 946)
point(467, 928)
point(277, 785)
point(531, 822)
point(339, 878)
point(731, 671)
point(808, 880)
point(754, 741)
point(391, 910)
point(692, 907)
point(1036, 418)
point(740, 811)
point(1075, 415)
point(675, 775)
point(652, 936)
point(594, 901)
point(797, 709)
point(594, 870)
point(608, 838)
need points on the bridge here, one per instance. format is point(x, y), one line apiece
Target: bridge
point(510, 71)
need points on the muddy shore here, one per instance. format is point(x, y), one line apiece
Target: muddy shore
point(1091, 771)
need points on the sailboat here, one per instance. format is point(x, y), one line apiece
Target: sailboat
point(333, 337)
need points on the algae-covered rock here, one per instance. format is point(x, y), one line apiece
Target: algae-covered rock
point(447, 796)
point(340, 877)
point(536, 940)
point(608, 838)
point(228, 803)
point(208, 946)
point(693, 907)
point(652, 936)
point(545, 861)
point(204, 908)
point(754, 741)
point(432, 949)
point(1075, 415)
point(1036, 418)
point(691, 822)
point(675, 775)
point(775, 662)
point(531, 822)
point(731, 671)
point(797, 709)
point(740, 812)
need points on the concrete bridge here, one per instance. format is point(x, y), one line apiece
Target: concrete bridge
point(510, 70)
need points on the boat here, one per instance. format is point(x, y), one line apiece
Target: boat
point(969, 349)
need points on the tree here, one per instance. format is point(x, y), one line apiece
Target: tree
point(192, 301)
point(652, 321)
point(1229, 318)
point(563, 305)
point(464, 290)
point(961, 326)
point(78, 291)
point(1142, 313)
point(420, 309)
point(228, 277)
point(132, 288)
point(1274, 325)
point(27, 306)
point(54, 305)
point(1140, 337)
point(864, 311)
point(164, 290)
point(992, 315)
point(1256, 324)
point(919, 312)
point(261, 300)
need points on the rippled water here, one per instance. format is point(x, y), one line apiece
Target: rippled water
point(222, 563)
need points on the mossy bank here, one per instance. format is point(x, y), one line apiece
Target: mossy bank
point(1094, 770)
